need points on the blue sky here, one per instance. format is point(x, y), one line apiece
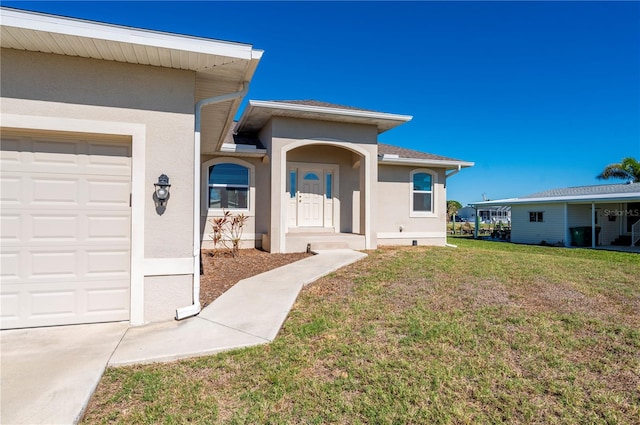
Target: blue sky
point(538, 94)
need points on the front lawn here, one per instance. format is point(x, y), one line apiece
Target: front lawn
point(485, 333)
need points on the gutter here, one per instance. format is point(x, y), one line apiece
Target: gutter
point(193, 309)
point(449, 164)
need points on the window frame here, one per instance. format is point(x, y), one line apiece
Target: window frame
point(536, 216)
point(434, 181)
point(206, 210)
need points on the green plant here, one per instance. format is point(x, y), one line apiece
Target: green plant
point(627, 169)
point(227, 231)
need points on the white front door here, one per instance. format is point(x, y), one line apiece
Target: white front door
point(310, 197)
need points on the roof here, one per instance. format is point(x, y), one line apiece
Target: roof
point(384, 149)
point(603, 189)
point(45, 33)
point(259, 112)
point(221, 67)
point(319, 103)
point(395, 155)
point(601, 193)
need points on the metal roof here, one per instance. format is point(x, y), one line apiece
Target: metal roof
point(624, 192)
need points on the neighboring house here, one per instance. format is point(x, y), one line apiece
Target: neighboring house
point(585, 216)
point(94, 114)
point(490, 214)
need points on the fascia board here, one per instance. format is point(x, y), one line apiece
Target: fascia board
point(426, 162)
point(84, 29)
point(330, 111)
point(568, 199)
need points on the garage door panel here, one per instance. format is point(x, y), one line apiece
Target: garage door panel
point(66, 225)
point(56, 153)
point(108, 263)
point(60, 228)
point(104, 227)
point(52, 190)
point(10, 304)
point(53, 304)
point(10, 225)
point(54, 264)
point(10, 264)
point(113, 192)
point(109, 301)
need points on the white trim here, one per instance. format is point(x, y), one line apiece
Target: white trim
point(242, 150)
point(434, 196)
point(387, 160)
point(71, 27)
point(168, 266)
point(353, 147)
point(283, 106)
point(410, 235)
point(137, 132)
point(204, 175)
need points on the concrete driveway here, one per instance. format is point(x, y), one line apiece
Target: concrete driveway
point(48, 374)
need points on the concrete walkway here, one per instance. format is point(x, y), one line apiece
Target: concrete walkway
point(49, 374)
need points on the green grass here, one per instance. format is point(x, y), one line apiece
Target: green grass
point(485, 333)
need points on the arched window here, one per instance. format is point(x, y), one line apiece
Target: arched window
point(228, 186)
point(421, 192)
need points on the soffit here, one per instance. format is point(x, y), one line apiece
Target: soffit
point(221, 67)
point(73, 37)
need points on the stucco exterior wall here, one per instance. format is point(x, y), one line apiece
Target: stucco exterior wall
point(550, 230)
point(395, 224)
point(288, 134)
point(159, 101)
point(259, 202)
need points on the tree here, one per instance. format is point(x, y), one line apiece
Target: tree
point(452, 208)
point(628, 169)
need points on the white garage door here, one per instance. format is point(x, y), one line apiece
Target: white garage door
point(65, 229)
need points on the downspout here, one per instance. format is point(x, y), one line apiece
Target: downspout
point(453, 172)
point(195, 308)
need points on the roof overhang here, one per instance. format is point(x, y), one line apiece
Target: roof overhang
point(579, 199)
point(221, 67)
point(258, 113)
point(74, 37)
point(449, 165)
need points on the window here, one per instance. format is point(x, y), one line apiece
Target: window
point(536, 216)
point(228, 186)
point(329, 184)
point(293, 177)
point(422, 192)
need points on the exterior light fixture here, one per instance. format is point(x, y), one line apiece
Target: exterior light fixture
point(162, 189)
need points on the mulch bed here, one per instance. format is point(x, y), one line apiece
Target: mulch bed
point(221, 270)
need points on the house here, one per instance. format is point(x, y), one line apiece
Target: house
point(119, 146)
point(576, 216)
point(490, 214)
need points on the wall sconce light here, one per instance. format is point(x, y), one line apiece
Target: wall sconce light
point(162, 189)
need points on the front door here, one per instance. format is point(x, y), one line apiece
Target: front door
point(310, 197)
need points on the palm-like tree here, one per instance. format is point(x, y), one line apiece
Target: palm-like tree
point(628, 169)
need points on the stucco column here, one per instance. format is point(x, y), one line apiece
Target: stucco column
point(278, 185)
point(370, 194)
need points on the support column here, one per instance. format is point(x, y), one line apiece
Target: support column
point(593, 224)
